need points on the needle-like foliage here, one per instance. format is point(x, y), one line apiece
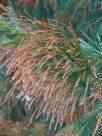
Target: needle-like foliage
point(51, 65)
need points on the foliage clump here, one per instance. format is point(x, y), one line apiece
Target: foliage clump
point(8, 128)
point(51, 64)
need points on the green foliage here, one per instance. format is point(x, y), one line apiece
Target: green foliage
point(57, 68)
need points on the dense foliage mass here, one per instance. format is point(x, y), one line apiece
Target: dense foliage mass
point(55, 61)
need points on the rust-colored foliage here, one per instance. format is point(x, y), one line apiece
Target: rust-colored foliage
point(41, 70)
point(37, 76)
point(30, 3)
point(4, 2)
point(8, 128)
point(47, 67)
point(42, 131)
